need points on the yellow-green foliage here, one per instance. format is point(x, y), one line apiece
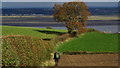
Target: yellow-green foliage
point(25, 51)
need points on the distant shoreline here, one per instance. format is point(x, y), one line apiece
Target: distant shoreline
point(49, 21)
point(100, 17)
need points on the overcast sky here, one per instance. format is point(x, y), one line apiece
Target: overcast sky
point(59, 0)
point(51, 4)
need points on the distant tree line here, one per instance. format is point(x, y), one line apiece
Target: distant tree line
point(50, 11)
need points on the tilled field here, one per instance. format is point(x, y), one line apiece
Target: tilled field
point(89, 60)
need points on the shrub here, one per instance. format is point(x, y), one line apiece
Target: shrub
point(74, 33)
point(60, 38)
point(49, 27)
point(82, 30)
point(93, 30)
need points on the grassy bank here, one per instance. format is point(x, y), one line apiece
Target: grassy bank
point(25, 51)
point(91, 42)
point(29, 31)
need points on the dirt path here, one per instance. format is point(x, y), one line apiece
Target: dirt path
point(89, 60)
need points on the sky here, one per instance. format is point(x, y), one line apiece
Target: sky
point(50, 3)
point(59, 0)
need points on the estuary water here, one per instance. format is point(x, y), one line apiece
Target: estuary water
point(43, 22)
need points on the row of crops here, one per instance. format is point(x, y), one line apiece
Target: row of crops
point(25, 51)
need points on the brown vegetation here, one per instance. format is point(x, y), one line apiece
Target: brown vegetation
point(73, 14)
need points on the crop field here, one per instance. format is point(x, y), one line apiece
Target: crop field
point(89, 60)
point(25, 51)
point(91, 42)
point(29, 31)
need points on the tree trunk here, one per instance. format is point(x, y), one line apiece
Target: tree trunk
point(70, 30)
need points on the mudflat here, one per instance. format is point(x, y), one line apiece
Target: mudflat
point(49, 20)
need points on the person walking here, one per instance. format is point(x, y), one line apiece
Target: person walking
point(56, 58)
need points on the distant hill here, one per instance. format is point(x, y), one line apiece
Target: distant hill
point(50, 11)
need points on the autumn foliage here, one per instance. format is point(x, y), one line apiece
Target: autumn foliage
point(73, 14)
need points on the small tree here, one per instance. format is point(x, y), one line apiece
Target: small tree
point(73, 14)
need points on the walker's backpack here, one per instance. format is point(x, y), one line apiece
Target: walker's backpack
point(57, 55)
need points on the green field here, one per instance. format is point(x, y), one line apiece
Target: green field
point(34, 32)
point(28, 49)
point(91, 42)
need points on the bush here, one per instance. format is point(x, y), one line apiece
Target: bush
point(74, 34)
point(49, 27)
point(82, 30)
point(60, 38)
point(93, 30)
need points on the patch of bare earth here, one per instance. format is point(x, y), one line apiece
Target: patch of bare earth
point(89, 60)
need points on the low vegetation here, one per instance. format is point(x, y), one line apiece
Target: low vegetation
point(25, 51)
point(91, 42)
point(25, 46)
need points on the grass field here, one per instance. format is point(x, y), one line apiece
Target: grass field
point(91, 42)
point(29, 31)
